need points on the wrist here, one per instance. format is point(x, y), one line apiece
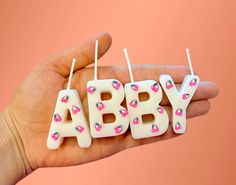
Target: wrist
point(14, 165)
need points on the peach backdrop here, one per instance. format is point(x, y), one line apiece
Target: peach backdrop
point(157, 32)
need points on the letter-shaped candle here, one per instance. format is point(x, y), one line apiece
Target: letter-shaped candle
point(68, 101)
point(180, 99)
point(99, 107)
point(138, 108)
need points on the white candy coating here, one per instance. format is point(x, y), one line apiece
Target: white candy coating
point(138, 108)
point(68, 100)
point(179, 99)
point(98, 107)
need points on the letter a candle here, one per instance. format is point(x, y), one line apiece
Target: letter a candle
point(99, 107)
point(68, 101)
point(180, 99)
point(139, 108)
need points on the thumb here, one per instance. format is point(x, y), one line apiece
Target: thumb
point(84, 53)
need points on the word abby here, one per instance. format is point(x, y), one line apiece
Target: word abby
point(69, 100)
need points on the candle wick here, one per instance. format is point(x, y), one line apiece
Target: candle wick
point(189, 61)
point(129, 64)
point(71, 73)
point(96, 61)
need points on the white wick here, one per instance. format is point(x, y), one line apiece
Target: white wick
point(96, 61)
point(129, 64)
point(71, 73)
point(189, 61)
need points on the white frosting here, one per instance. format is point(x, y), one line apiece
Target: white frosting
point(179, 99)
point(68, 100)
point(151, 106)
point(98, 107)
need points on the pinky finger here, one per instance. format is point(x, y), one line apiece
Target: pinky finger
point(198, 108)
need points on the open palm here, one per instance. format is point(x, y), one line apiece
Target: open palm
point(32, 107)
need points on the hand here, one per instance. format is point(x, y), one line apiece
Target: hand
point(32, 107)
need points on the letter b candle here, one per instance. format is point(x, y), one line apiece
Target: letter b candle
point(99, 107)
point(137, 108)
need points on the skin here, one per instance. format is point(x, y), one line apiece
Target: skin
point(31, 109)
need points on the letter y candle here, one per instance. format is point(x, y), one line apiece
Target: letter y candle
point(180, 99)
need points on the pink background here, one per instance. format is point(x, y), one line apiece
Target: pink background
point(154, 31)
